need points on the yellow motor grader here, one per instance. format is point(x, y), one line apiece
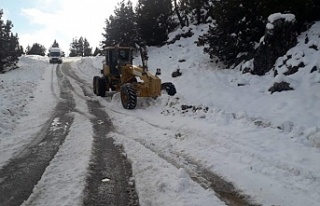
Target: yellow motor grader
point(119, 74)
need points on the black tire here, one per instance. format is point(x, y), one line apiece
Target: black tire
point(94, 84)
point(128, 96)
point(133, 80)
point(107, 84)
point(101, 87)
point(169, 87)
point(113, 84)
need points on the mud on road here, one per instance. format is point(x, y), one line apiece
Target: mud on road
point(19, 177)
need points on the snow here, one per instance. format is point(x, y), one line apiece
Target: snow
point(276, 16)
point(65, 176)
point(266, 144)
point(269, 26)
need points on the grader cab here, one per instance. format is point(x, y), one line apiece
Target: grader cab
point(119, 74)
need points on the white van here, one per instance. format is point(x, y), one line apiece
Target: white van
point(55, 55)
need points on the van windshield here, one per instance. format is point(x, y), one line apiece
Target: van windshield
point(55, 54)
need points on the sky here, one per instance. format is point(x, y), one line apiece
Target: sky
point(266, 144)
point(43, 21)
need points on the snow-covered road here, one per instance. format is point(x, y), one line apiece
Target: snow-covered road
point(213, 143)
point(67, 153)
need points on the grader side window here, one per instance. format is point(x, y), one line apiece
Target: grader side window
point(107, 59)
point(112, 62)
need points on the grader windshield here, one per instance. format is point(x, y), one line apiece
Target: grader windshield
point(118, 56)
point(125, 55)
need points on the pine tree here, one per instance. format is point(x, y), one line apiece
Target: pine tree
point(14, 49)
point(177, 11)
point(76, 47)
point(37, 49)
point(96, 52)
point(198, 5)
point(80, 47)
point(55, 44)
point(21, 51)
point(73, 48)
point(239, 25)
point(27, 49)
point(312, 10)
point(198, 9)
point(305, 11)
point(2, 44)
point(153, 21)
point(9, 46)
point(110, 37)
point(120, 28)
point(87, 50)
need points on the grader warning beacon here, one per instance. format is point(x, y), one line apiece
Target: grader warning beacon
point(120, 75)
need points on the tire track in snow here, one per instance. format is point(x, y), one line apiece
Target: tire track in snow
point(52, 82)
point(207, 179)
point(239, 149)
point(22, 173)
point(204, 177)
point(108, 181)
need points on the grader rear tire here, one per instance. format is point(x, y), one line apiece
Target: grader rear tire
point(94, 84)
point(101, 87)
point(128, 96)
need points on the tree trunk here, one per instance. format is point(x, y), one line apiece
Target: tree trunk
point(176, 9)
point(198, 10)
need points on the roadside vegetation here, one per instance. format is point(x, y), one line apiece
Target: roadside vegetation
point(236, 38)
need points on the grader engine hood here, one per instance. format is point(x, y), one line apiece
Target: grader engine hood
point(137, 71)
point(151, 86)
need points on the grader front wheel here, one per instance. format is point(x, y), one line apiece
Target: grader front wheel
point(169, 88)
point(128, 96)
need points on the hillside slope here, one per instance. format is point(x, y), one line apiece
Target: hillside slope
point(228, 122)
point(206, 84)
